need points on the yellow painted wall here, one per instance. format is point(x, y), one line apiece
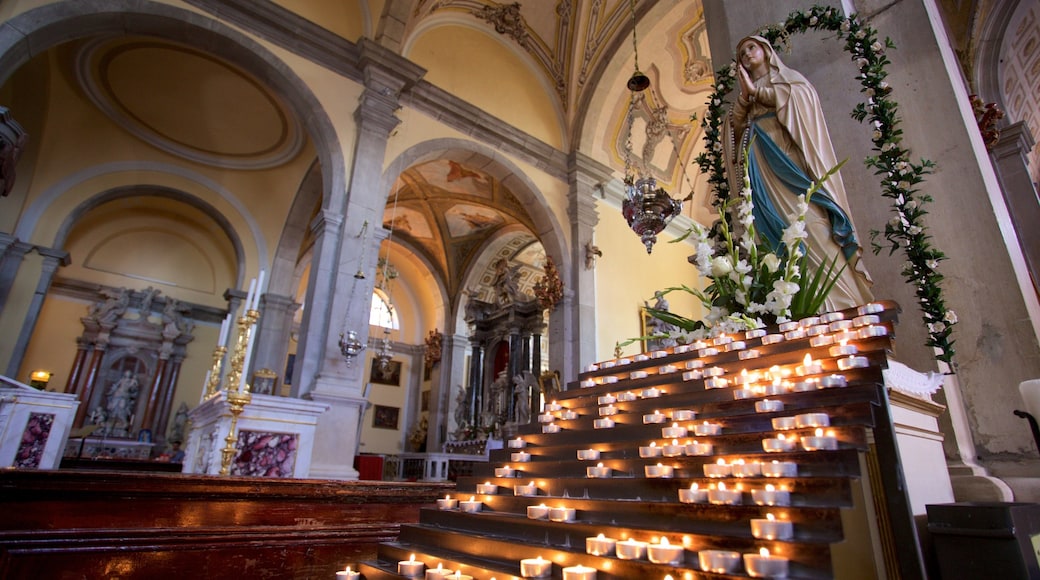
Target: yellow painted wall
point(482, 71)
point(626, 277)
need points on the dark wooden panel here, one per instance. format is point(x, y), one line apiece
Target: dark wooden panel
point(96, 524)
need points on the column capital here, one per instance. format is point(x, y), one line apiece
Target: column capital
point(1015, 139)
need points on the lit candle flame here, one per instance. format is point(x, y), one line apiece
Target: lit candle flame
point(675, 441)
point(693, 487)
point(721, 461)
point(807, 360)
point(770, 517)
point(819, 432)
point(664, 541)
point(722, 487)
point(770, 487)
point(764, 552)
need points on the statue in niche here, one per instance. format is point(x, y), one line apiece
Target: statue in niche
point(119, 405)
point(777, 118)
point(174, 321)
point(506, 282)
point(496, 404)
point(180, 421)
point(462, 407)
point(523, 384)
point(107, 312)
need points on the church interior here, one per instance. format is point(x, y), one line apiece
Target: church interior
point(284, 275)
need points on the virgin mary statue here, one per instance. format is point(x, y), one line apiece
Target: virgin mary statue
point(778, 120)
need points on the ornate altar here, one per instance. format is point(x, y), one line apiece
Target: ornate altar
point(127, 363)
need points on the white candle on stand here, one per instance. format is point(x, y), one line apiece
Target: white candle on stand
point(718, 561)
point(693, 495)
point(259, 290)
point(535, 567)
point(579, 572)
point(537, 512)
point(600, 545)
point(225, 330)
point(770, 528)
point(665, 553)
point(410, 567)
point(438, 573)
point(471, 505)
point(348, 574)
point(771, 496)
point(249, 295)
point(630, 549)
point(765, 565)
point(447, 503)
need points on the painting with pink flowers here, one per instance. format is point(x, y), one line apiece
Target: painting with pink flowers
point(34, 439)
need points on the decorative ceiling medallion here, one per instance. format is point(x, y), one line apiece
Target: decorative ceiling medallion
point(188, 103)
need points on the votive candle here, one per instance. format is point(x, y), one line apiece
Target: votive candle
point(717, 469)
point(348, 574)
point(693, 494)
point(538, 512)
point(579, 572)
point(650, 451)
point(658, 471)
point(718, 561)
point(720, 495)
point(768, 406)
point(765, 565)
point(471, 505)
point(819, 441)
point(505, 471)
point(697, 449)
point(674, 431)
point(778, 444)
point(600, 545)
point(517, 443)
point(410, 567)
point(525, 490)
point(438, 573)
point(706, 429)
point(487, 488)
point(655, 417)
point(630, 549)
point(780, 469)
point(664, 552)
point(588, 454)
point(771, 496)
point(812, 420)
point(603, 423)
point(535, 567)
point(447, 503)
point(673, 449)
point(598, 472)
point(562, 514)
point(770, 528)
point(683, 415)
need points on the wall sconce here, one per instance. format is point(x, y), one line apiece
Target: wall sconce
point(39, 379)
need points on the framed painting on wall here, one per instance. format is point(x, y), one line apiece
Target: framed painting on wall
point(385, 417)
point(390, 375)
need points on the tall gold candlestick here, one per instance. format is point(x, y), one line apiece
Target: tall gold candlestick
point(237, 402)
point(214, 374)
point(238, 357)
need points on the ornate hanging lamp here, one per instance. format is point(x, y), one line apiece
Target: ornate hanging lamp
point(646, 207)
point(350, 346)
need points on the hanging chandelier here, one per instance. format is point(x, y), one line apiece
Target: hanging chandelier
point(647, 208)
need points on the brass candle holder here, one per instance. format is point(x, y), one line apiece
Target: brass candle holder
point(237, 403)
point(213, 385)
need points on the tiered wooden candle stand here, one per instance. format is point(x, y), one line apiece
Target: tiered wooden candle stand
point(487, 535)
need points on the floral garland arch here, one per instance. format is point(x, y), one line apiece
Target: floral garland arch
point(900, 177)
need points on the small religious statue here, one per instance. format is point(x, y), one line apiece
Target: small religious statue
point(120, 403)
point(107, 312)
point(523, 384)
point(180, 421)
point(506, 282)
point(777, 118)
point(433, 348)
point(591, 253)
point(658, 328)
point(147, 297)
point(462, 407)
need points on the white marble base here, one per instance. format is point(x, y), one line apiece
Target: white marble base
point(266, 419)
point(51, 414)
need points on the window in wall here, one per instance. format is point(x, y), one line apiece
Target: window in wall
point(383, 313)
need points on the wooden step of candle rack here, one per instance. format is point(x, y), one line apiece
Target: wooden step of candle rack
point(491, 540)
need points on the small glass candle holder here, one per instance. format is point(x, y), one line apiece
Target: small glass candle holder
point(808, 321)
point(716, 383)
point(843, 349)
point(831, 381)
point(872, 331)
point(871, 308)
point(447, 503)
point(721, 495)
point(675, 430)
point(348, 574)
point(471, 505)
point(683, 415)
point(579, 572)
point(673, 449)
point(780, 469)
point(795, 334)
point(535, 567)
point(650, 393)
point(609, 380)
point(694, 364)
point(608, 410)
point(821, 340)
point(698, 449)
point(636, 375)
point(517, 443)
point(487, 488)
point(840, 325)
point(630, 549)
point(693, 375)
point(779, 444)
point(659, 354)
point(693, 494)
point(742, 394)
point(866, 320)
point(568, 415)
point(784, 423)
point(650, 451)
point(820, 441)
point(587, 383)
point(755, 333)
point(606, 399)
point(654, 418)
point(722, 340)
point(599, 471)
point(525, 490)
point(505, 471)
point(626, 397)
point(771, 496)
point(741, 468)
point(772, 339)
point(410, 568)
point(659, 470)
point(603, 423)
point(805, 420)
point(770, 528)
point(707, 429)
point(520, 457)
point(736, 345)
point(665, 552)
point(600, 545)
point(546, 418)
point(765, 565)
point(768, 406)
point(718, 469)
point(438, 573)
point(562, 514)
point(588, 454)
point(667, 369)
point(829, 317)
point(751, 353)
point(538, 512)
point(552, 407)
point(718, 561)
point(638, 358)
point(853, 362)
point(709, 351)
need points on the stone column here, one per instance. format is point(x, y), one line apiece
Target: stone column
point(324, 376)
point(52, 259)
point(1012, 167)
point(12, 252)
point(476, 383)
point(273, 332)
point(451, 374)
point(584, 177)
